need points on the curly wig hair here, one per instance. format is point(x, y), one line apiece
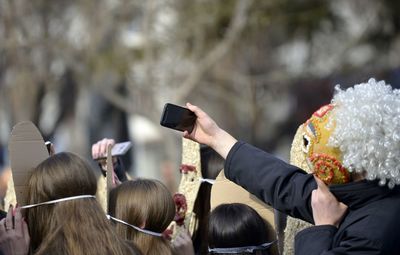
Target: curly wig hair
point(367, 130)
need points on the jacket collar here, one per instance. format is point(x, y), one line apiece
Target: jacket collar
point(357, 194)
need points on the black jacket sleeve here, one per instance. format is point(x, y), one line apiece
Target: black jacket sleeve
point(283, 186)
point(317, 240)
point(314, 240)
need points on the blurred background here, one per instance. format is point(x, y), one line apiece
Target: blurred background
point(82, 70)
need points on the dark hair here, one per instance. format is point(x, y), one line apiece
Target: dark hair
point(211, 164)
point(237, 225)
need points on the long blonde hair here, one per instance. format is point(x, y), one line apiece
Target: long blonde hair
point(71, 227)
point(147, 203)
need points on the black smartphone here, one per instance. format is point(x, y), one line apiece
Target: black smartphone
point(178, 118)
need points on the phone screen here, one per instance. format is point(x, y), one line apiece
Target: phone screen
point(120, 149)
point(178, 118)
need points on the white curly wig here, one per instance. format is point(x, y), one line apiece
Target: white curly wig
point(367, 130)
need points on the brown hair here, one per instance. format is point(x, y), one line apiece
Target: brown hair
point(70, 227)
point(147, 203)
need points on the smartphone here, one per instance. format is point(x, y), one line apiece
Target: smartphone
point(119, 149)
point(178, 118)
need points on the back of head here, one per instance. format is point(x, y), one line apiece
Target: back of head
point(146, 204)
point(70, 227)
point(237, 225)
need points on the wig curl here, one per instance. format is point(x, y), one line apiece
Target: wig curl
point(367, 120)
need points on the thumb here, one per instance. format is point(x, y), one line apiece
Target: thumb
point(321, 185)
point(199, 112)
point(343, 206)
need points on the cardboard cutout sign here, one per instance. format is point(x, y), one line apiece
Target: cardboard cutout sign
point(27, 150)
point(225, 192)
point(188, 187)
point(107, 182)
point(110, 174)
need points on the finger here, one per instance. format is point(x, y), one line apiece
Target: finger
point(110, 142)
point(93, 152)
point(116, 180)
point(199, 112)
point(321, 185)
point(186, 236)
point(18, 221)
point(98, 149)
point(95, 148)
point(186, 134)
point(191, 135)
point(9, 220)
point(25, 232)
point(17, 214)
point(343, 206)
point(103, 148)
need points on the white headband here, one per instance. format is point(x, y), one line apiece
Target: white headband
point(135, 227)
point(236, 250)
point(210, 181)
point(91, 196)
point(57, 201)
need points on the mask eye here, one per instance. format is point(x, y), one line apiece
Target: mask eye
point(306, 143)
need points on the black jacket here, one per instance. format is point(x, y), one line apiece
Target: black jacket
point(371, 225)
point(3, 214)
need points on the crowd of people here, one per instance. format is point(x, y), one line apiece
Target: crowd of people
point(351, 195)
point(63, 215)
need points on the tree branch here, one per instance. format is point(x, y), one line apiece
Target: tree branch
point(238, 22)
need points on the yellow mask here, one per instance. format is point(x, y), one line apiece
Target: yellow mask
point(324, 160)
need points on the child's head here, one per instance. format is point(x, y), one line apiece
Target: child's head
point(146, 204)
point(237, 226)
point(54, 227)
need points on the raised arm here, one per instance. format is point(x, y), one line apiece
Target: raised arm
point(206, 131)
point(286, 187)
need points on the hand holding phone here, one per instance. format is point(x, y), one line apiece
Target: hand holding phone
point(178, 118)
point(99, 149)
point(120, 149)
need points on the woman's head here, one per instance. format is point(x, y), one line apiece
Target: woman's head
point(70, 227)
point(237, 225)
point(146, 204)
point(61, 175)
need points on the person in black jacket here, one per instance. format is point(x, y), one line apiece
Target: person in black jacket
point(358, 216)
